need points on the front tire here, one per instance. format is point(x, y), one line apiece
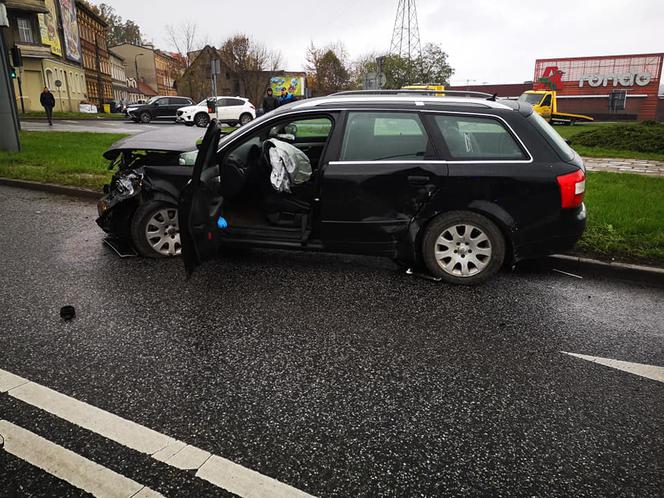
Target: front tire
point(146, 117)
point(245, 119)
point(202, 120)
point(155, 230)
point(463, 248)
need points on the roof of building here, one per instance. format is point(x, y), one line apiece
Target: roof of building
point(27, 5)
point(83, 5)
point(146, 89)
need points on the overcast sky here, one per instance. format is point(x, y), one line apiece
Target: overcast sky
point(495, 41)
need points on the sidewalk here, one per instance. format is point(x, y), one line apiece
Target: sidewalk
point(634, 166)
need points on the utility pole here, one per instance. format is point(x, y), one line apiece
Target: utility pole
point(9, 138)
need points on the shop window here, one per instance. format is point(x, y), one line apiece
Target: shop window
point(25, 30)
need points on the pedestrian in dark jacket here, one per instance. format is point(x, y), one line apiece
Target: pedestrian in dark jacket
point(47, 101)
point(270, 102)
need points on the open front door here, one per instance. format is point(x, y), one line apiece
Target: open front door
point(200, 205)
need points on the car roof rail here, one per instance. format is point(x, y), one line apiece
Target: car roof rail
point(457, 93)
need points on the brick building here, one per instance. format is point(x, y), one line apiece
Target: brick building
point(615, 87)
point(93, 32)
point(155, 70)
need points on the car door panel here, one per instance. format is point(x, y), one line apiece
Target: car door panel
point(368, 205)
point(200, 205)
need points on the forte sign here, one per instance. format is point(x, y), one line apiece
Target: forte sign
point(624, 79)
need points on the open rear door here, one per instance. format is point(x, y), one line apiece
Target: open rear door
point(200, 204)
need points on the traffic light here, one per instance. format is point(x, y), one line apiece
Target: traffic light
point(12, 72)
point(17, 57)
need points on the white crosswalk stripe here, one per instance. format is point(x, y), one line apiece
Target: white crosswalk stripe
point(214, 469)
point(69, 466)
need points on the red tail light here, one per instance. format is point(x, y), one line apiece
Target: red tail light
point(572, 189)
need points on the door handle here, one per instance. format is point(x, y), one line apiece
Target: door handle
point(419, 180)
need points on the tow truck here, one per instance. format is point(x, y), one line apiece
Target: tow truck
point(545, 103)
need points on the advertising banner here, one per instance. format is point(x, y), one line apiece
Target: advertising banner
point(48, 28)
point(294, 85)
point(619, 72)
point(70, 29)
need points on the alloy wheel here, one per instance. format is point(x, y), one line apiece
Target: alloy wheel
point(202, 120)
point(463, 250)
point(162, 232)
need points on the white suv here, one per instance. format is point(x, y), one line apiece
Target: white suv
point(230, 110)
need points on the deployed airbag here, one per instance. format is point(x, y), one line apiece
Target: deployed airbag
point(290, 166)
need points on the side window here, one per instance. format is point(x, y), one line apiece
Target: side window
point(162, 102)
point(546, 101)
point(477, 138)
point(376, 136)
point(236, 102)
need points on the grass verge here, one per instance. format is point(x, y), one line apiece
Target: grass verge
point(64, 158)
point(625, 218)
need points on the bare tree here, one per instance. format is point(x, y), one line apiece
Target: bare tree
point(248, 60)
point(184, 38)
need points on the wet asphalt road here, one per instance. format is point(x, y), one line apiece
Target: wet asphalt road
point(335, 374)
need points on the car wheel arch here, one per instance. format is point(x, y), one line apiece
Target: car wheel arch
point(493, 212)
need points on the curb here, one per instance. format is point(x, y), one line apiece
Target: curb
point(81, 193)
point(626, 271)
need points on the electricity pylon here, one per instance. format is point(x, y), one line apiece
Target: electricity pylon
point(406, 36)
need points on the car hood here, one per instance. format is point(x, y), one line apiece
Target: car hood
point(168, 140)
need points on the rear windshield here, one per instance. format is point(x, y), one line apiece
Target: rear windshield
point(552, 136)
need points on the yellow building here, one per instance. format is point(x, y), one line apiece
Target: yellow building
point(46, 60)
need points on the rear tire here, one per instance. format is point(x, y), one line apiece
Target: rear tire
point(155, 231)
point(202, 119)
point(146, 117)
point(463, 248)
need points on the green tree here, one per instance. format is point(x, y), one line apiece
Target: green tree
point(119, 31)
point(328, 68)
point(431, 67)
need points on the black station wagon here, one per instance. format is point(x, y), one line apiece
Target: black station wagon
point(455, 186)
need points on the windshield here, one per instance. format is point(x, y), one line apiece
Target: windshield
point(153, 100)
point(203, 103)
point(552, 136)
point(531, 98)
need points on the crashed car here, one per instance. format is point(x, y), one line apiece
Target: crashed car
point(453, 186)
point(140, 204)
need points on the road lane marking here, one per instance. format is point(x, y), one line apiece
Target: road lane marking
point(69, 466)
point(89, 417)
point(242, 481)
point(214, 469)
point(9, 381)
point(648, 371)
